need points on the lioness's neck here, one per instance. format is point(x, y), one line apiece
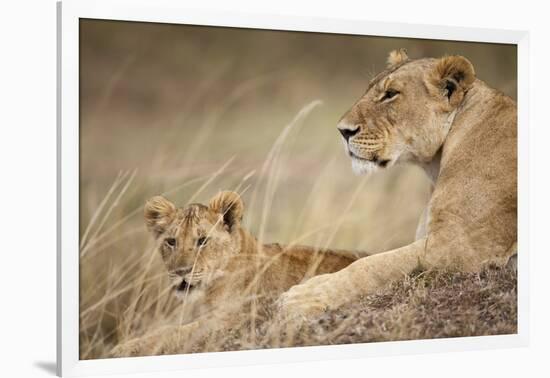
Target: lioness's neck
point(461, 118)
point(432, 168)
point(475, 118)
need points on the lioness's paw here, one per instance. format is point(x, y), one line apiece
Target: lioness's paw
point(308, 300)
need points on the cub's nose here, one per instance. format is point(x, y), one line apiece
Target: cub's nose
point(347, 132)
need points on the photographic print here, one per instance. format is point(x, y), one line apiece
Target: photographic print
point(248, 189)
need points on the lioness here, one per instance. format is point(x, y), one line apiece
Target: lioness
point(437, 114)
point(220, 268)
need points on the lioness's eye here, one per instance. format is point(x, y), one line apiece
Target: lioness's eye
point(389, 94)
point(171, 242)
point(202, 241)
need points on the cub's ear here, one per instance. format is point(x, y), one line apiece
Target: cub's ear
point(454, 75)
point(159, 214)
point(230, 206)
point(397, 57)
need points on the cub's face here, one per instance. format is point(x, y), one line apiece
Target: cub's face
point(406, 111)
point(195, 242)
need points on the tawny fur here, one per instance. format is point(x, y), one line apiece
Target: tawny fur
point(397, 57)
point(236, 271)
point(464, 134)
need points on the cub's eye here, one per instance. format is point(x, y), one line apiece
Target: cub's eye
point(202, 241)
point(389, 94)
point(171, 242)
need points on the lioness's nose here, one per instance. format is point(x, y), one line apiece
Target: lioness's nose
point(347, 132)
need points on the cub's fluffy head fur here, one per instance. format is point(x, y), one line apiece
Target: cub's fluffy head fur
point(196, 242)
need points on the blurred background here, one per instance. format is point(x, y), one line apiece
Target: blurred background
point(185, 111)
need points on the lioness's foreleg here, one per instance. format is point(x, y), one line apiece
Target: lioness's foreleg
point(363, 277)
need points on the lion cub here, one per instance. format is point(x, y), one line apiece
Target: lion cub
point(219, 268)
point(207, 253)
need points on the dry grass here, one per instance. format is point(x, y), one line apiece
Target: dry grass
point(422, 306)
point(173, 110)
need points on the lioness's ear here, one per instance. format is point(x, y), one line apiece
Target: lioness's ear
point(159, 214)
point(230, 206)
point(454, 75)
point(397, 57)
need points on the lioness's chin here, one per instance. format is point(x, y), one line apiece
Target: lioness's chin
point(363, 167)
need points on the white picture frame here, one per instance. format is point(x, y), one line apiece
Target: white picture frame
point(171, 11)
